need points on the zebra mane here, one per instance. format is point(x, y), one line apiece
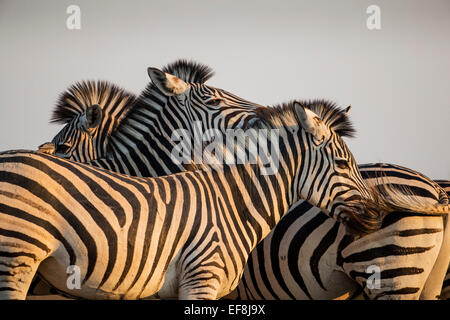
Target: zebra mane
point(186, 70)
point(78, 97)
point(189, 71)
point(332, 115)
point(81, 95)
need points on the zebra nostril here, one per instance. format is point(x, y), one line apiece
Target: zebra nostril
point(62, 155)
point(354, 198)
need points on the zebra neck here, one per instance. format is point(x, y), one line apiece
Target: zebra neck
point(143, 141)
point(269, 196)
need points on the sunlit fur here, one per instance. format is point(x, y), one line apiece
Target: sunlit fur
point(310, 256)
point(155, 116)
point(445, 294)
point(193, 229)
point(333, 116)
point(85, 145)
point(142, 143)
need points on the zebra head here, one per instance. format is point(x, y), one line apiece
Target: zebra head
point(325, 171)
point(176, 98)
point(186, 95)
point(90, 111)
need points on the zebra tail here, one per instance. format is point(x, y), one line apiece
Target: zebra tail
point(391, 198)
point(403, 199)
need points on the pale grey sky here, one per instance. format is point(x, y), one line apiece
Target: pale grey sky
point(397, 79)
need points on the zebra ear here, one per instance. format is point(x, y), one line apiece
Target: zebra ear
point(305, 118)
point(167, 83)
point(91, 117)
point(311, 122)
point(347, 110)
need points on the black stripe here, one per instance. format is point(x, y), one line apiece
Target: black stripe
point(396, 216)
point(47, 226)
point(168, 217)
point(262, 272)
point(389, 273)
point(385, 251)
point(446, 283)
point(415, 232)
point(295, 246)
point(277, 236)
point(25, 238)
point(403, 291)
point(320, 250)
point(96, 215)
point(152, 203)
point(54, 202)
point(18, 254)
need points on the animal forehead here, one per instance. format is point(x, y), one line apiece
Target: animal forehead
point(173, 78)
point(226, 95)
point(317, 120)
point(207, 89)
point(311, 114)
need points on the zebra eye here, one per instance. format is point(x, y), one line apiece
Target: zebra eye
point(63, 148)
point(318, 142)
point(214, 102)
point(342, 164)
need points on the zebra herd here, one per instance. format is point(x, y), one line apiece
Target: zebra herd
point(106, 195)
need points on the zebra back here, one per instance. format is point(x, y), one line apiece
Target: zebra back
point(445, 184)
point(310, 256)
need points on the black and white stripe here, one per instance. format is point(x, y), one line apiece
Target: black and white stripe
point(142, 144)
point(310, 256)
point(445, 294)
point(186, 235)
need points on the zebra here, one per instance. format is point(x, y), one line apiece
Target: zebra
point(139, 143)
point(445, 294)
point(184, 235)
point(86, 107)
point(310, 256)
point(151, 122)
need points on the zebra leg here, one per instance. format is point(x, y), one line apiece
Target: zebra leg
point(39, 287)
point(433, 286)
point(17, 269)
point(445, 294)
point(204, 286)
point(202, 280)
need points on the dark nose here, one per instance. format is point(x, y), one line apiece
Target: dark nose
point(354, 197)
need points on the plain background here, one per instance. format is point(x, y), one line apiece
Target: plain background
point(397, 79)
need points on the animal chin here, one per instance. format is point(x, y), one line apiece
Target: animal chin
point(62, 155)
point(361, 217)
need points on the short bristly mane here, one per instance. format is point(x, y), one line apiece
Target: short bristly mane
point(81, 95)
point(383, 200)
point(186, 70)
point(333, 116)
point(189, 71)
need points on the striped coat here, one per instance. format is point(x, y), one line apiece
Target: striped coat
point(185, 235)
point(309, 256)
